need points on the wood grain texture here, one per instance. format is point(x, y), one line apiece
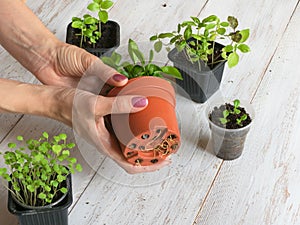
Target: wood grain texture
point(261, 187)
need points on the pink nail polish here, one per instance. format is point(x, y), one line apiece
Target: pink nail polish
point(139, 102)
point(119, 77)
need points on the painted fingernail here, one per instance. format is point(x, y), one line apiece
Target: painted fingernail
point(119, 77)
point(139, 102)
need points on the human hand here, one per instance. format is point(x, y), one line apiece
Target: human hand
point(85, 111)
point(88, 122)
point(66, 64)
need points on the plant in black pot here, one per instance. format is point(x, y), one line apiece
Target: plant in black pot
point(97, 35)
point(151, 135)
point(38, 173)
point(229, 124)
point(200, 55)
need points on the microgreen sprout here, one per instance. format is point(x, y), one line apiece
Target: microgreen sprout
point(37, 169)
point(139, 66)
point(224, 119)
point(239, 117)
point(198, 38)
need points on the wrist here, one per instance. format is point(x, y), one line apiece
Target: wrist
point(48, 101)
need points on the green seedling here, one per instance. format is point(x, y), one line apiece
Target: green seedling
point(236, 111)
point(139, 66)
point(224, 119)
point(197, 38)
point(89, 26)
point(37, 168)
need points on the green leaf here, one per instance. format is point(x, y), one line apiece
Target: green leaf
point(134, 52)
point(89, 20)
point(244, 48)
point(223, 121)
point(42, 196)
point(56, 149)
point(224, 24)
point(233, 59)
point(63, 136)
point(78, 167)
point(71, 145)
point(76, 19)
point(225, 114)
point(151, 55)
point(93, 7)
point(228, 48)
point(45, 135)
point(236, 103)
point(60, 178)
point(12, 145)
point(158, 46)
point(210, 26)
point(66, 152)
point(165, 35)
point(54, 183)
point(64, 190)
point(3, 171)
point(30, 188)
point(172, 71)
point(153, 38)
point(210, 18)
point(20, 138)
point(195, 19)
point(72, 160)
point(106, 4)
point(221, 31)
point(245, 35)
point(187, 33)
point(103, 16)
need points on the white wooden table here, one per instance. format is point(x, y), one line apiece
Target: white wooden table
point(261, 187)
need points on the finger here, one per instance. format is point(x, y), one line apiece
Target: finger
point(98, 74)
point(120, 104)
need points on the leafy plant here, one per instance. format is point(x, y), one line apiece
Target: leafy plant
point(90, 26)
point(139, 67)
point(198, 39)
point(37, 170)
point(239, 118)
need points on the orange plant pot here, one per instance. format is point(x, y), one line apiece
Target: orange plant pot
point(151, 135)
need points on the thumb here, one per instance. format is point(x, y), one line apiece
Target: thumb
point(121, 104)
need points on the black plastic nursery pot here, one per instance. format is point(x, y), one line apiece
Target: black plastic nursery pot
point(55, 214)
point(108, 42)
point(199, 81)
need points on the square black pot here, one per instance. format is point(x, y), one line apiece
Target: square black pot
point(199, 81)
point(57, 215)
point(108, 42)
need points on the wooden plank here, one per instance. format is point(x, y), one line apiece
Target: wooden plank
point(262, 186)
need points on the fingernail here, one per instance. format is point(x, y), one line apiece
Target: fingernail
point(139, 102)
point(119, 77)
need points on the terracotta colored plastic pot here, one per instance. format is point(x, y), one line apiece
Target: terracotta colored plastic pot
point(149, 136)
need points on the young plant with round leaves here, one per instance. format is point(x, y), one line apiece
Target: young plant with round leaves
point(37, 168)
point(235, 111)
point(198, 39)
point(139, 66)
point(90, 26)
